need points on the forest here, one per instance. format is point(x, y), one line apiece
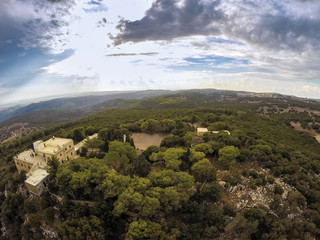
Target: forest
point(259, 182)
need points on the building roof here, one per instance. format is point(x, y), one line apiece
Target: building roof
point(50, 150)
point(53, 145)
point(29, 156)
point(37, 176)
point(202, 129)
point(57, 141)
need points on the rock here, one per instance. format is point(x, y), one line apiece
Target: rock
point(49, 233)
point(222, 183)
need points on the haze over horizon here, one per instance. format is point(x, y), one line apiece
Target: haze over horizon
point(56, 47)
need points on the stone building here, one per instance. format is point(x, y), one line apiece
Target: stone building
point(37, 180)
point(34, 162)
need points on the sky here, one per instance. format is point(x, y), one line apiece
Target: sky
point(54, 47)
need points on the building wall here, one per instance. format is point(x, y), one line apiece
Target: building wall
point(45, 156)
point(22, 165)
point(67, 156)
point(66, 153)
point(63, 155)
point(36, 189)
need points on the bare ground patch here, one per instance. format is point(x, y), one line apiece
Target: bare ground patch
point(143, 140)
point(311, 132)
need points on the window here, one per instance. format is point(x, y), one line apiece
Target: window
point(71, 153)
point(69, 146)
point(65, 149)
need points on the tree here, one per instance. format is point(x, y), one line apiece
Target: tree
point(113, 184)
point(94, 143)
point(90, 130)
point(203, 171)
point(80, 178)
point(53, 163)
point(170, 159)
point(11, 215)
point(136, 199)
point(167, 125)
point(241, 228)
point(141, 166)
point(103, 134)
point(120, 156)
point(85, 228)
point(204, 147)
point(172, 141)
point(228, 155)
point(32, 228)
point(188, 138)
point(171, 199)
point(196, 156)
point(150, 126)
point(296, 199)
point(144, 229)
point(78, 134)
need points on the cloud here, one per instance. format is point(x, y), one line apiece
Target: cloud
point(293, 25)
point(168, 19)
point(31, 23)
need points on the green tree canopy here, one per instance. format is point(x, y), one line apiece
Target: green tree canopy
point(204, 147)
point(144, 229)
point(228, 155)
point(85, 228)
point(204, 171)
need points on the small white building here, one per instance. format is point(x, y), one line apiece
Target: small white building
point(201, 131)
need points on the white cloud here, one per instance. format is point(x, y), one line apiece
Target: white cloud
point(286, 68)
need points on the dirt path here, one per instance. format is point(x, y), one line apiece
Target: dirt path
point(80, 202)
point(311, 132)
point(10, 138)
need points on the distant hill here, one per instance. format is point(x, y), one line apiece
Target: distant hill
point(19, 120)
point(73, 103)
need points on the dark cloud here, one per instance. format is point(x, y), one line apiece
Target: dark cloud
point(28, 28)
point(167, 19)
point(29, 23)
point(94, 3)
point(276, 30)
point(270, 25)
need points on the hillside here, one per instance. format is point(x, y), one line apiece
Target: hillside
point(259, 182)
point(23, 120)
point(17, 121)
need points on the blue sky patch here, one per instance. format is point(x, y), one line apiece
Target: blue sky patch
point(222, 40)
point(22, 66)
point(214, 63)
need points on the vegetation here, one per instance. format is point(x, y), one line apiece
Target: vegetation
point(188, 188)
